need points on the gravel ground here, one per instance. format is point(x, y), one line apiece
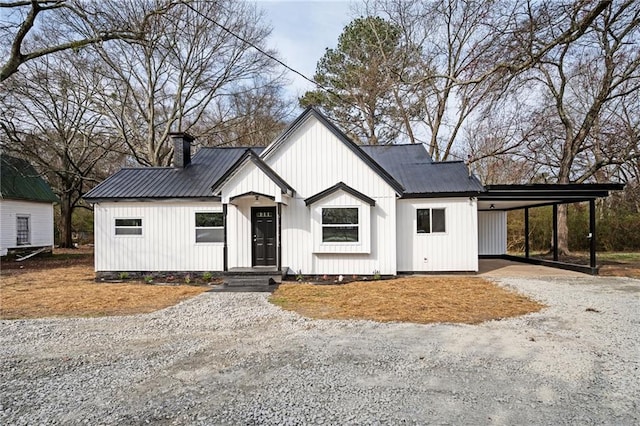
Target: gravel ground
point(230, 358)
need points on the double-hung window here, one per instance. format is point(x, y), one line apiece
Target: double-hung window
point(209, 228)
point(23, 232)
point(431, 221)
point(340, 225)
point(129, 226)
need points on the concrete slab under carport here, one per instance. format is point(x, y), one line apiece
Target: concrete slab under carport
point(508, 268)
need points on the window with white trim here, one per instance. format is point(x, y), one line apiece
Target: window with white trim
point(430, 221)
point(209, 227)
point(128, 226)
point(23, 232)
point(340, 225)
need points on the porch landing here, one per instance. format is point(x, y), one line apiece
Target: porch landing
point(258, 278)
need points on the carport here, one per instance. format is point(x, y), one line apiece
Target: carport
point(504, 198)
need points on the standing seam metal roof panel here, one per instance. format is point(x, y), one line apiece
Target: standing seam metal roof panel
point(192, 181)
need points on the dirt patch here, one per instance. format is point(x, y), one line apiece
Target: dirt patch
point(621, 270)
point(61, 258)
point(63, 285)
point(413, 299)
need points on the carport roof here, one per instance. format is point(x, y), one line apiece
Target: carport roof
point(511, 197)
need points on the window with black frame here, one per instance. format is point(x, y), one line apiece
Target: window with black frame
point(430, 221)
point(340, 225)
point(128, 226)
point(209, 227)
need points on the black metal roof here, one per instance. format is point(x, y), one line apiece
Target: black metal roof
point(192, 181)
point(408, 169)
point(339, 186)
point(20, 181)
point(412, 166)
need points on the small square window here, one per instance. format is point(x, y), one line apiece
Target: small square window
point(430, 221)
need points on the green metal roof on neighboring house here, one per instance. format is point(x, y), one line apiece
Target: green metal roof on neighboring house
point(20, 181)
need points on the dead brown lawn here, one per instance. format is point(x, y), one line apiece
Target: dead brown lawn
point(421, 300)
point(70, 292)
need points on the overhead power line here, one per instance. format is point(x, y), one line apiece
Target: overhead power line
point(281, 63)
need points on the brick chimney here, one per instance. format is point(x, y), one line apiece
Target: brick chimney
point(181, 149)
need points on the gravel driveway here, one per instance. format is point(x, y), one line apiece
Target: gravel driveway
point(235, 359)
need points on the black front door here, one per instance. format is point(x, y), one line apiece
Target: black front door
point(263, 226)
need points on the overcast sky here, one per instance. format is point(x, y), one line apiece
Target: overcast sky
point(302, 30)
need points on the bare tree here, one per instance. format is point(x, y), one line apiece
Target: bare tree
point(188, 65)
point(470, 56)
point(254, 117)
point(48, 118)
point(586, 87)
point(21, 19)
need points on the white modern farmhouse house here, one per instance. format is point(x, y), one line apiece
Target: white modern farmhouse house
point(312, 202)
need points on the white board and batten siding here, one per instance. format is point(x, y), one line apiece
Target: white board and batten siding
point(311, 160)
point(456, 249)
point(492, 232)
point(250, 179)
point(40, 223)
point(167, 242)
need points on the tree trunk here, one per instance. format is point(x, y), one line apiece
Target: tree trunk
point(66, 213)
point(563, 230)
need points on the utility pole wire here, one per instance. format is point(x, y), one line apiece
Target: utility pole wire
point(278, 61)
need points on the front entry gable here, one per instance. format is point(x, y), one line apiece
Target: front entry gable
point(251, 176)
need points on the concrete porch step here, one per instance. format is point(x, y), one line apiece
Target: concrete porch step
point(248, 277)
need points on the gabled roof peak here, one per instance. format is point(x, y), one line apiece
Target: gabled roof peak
point(313, 112)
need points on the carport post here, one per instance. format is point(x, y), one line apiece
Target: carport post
point(592, 233)
point(555, 232)
point(279, 254)
point(225, 255)
point(526, 232)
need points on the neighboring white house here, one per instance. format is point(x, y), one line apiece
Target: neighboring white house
point(312, 201)
point(26, 207)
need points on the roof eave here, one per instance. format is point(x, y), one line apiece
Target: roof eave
point(340, 186)
point(460, 194)
point(94, 200)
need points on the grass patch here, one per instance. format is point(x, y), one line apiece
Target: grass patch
point(421, 300)
point(621, 256)
point(71, 292)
